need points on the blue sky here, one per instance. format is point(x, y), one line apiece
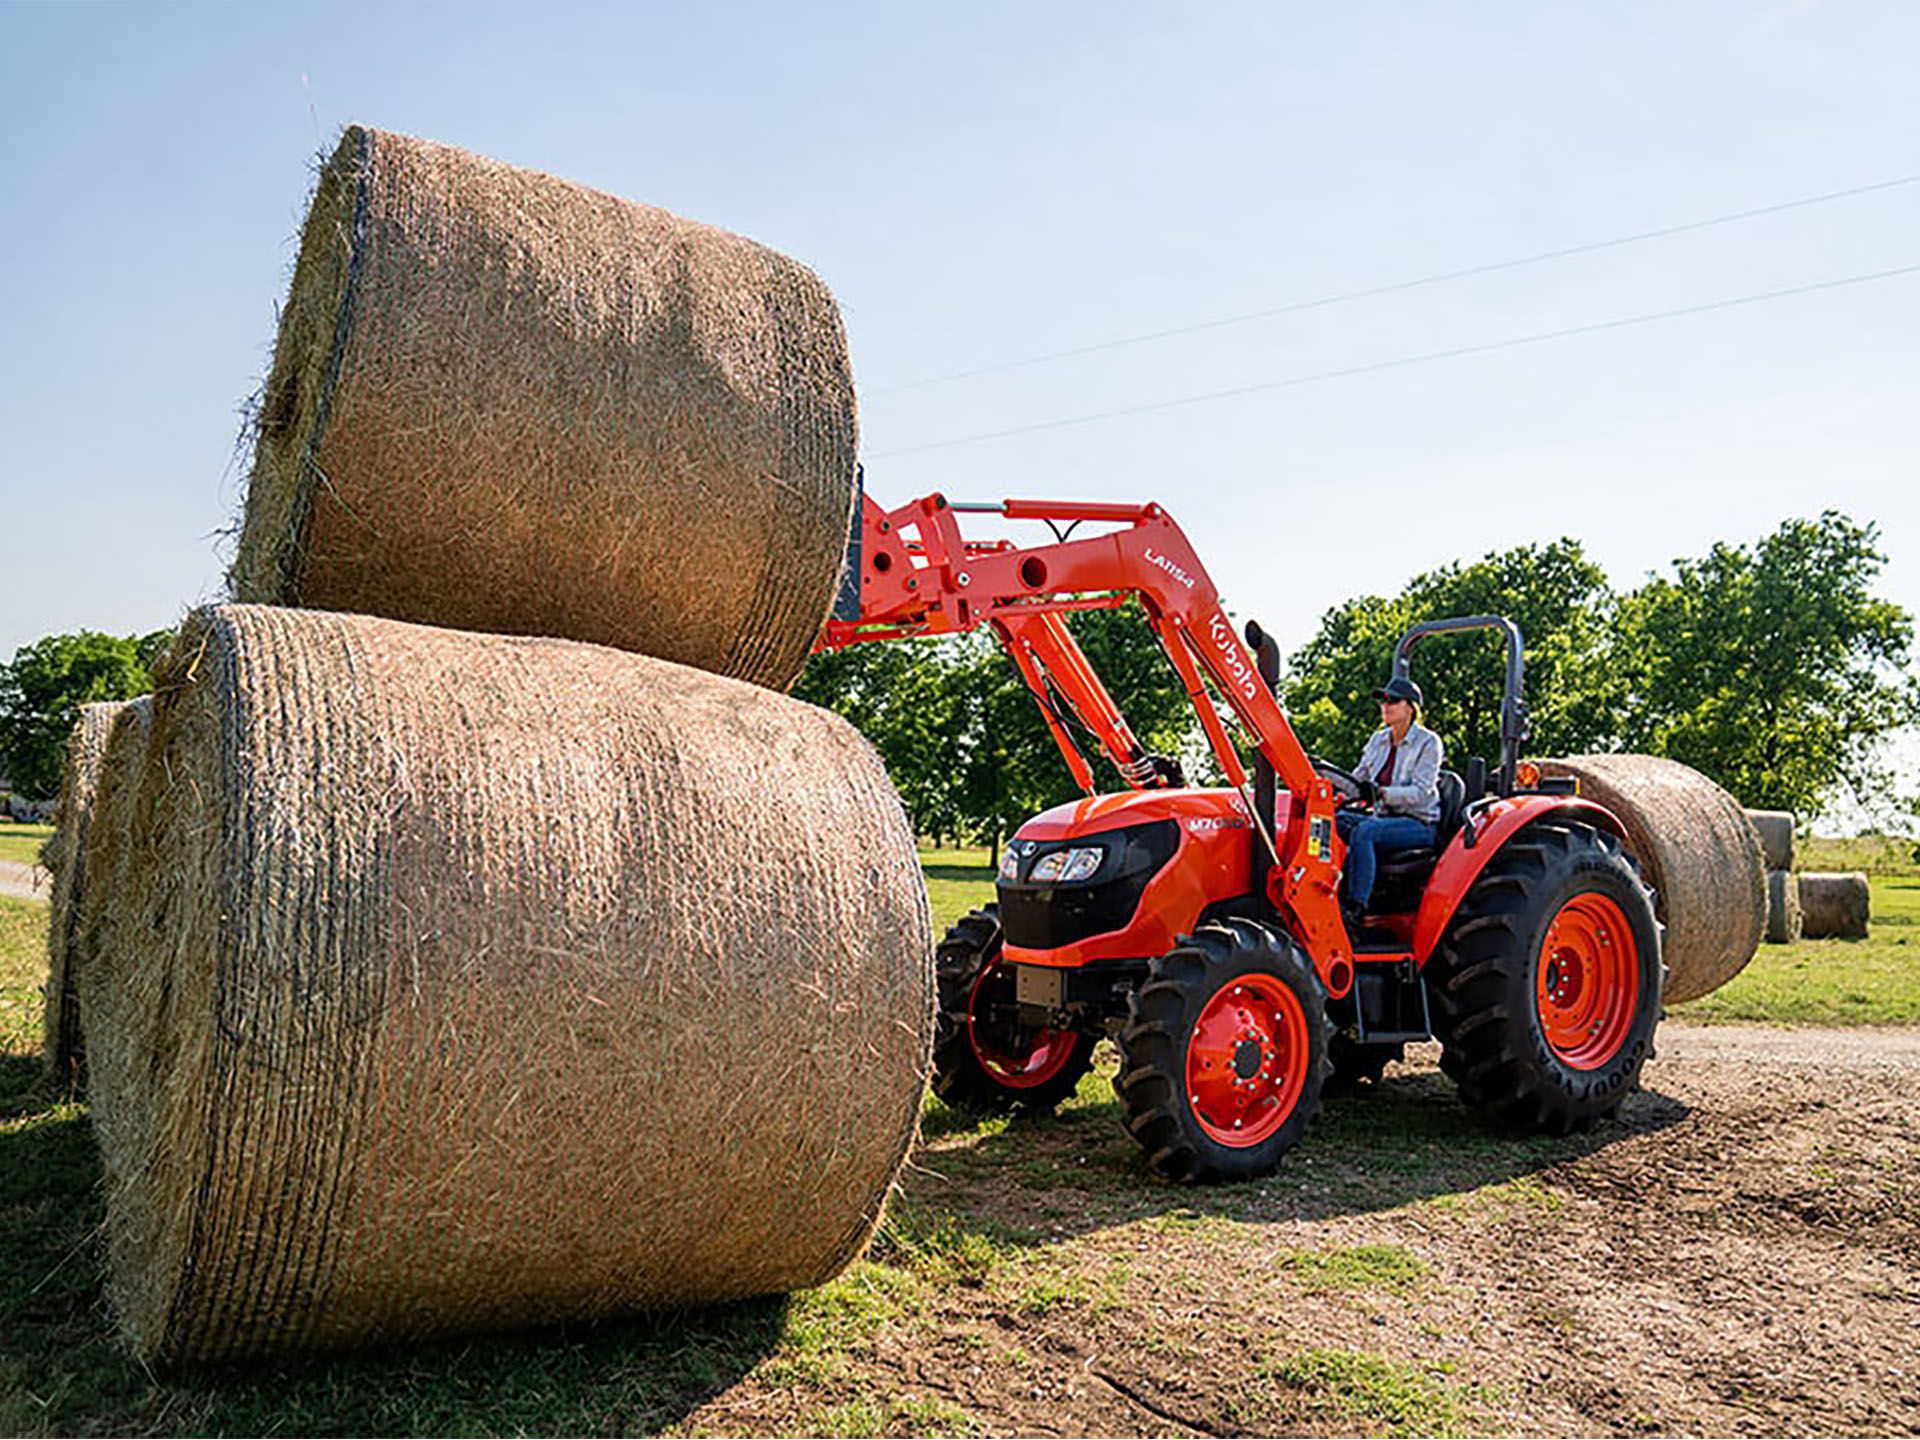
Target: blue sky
point(980, 183)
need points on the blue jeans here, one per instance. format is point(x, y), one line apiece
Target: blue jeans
point(1368, 835)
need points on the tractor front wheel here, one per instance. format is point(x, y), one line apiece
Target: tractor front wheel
point(984, 1061)
point(1546, 986)
point(1224, 1054)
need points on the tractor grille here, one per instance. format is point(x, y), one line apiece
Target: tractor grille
point(1045, 917)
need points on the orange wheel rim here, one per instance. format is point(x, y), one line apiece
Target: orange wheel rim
point(1247, 1060)
point(1021, 1060)
point(1587, 985)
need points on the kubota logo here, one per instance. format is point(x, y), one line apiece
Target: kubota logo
point(1172, 569)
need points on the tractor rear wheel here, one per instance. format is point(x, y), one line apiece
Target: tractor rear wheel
point(1224, 1053)
point(1546, 985)
point(984, 1062)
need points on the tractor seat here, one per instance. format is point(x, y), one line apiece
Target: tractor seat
point(1415, 865)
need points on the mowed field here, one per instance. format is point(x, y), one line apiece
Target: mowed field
point(1739, 1253)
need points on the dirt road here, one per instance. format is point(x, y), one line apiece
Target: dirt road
point(24, 882)
point(1738, 1254)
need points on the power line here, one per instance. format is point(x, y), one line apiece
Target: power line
point(1395, 287)
point(1427, 357)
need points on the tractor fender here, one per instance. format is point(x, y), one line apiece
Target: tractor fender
point(1458, 866)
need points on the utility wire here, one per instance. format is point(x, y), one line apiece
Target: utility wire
point(1401, 361)
point(1343, 297)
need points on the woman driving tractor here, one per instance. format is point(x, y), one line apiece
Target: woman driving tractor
point(1399, 777)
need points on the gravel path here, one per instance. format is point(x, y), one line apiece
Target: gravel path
point(24, 882)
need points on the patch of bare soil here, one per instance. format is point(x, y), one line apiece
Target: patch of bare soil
point(1738, 1254)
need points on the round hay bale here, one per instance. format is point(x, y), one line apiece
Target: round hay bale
point(503, 402)
point(1775, 829)
point(1834, 905)
point(1784, 921)
point(1696, 850)
point(461, 981)
point(65, 855)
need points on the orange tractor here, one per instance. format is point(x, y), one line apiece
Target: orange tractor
point(1200, 929)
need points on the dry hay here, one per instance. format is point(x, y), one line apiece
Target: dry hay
point(1784, 920)
point(65, 855)
point(1696, 850)
point(1835, 905)
point(503, 402)
point(463, 981)
point(1775, 829)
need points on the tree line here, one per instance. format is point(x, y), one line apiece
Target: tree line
point(1771, 667)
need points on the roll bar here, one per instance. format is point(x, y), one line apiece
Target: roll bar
point(1514, 724)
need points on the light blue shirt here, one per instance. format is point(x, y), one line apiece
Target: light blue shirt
point(1415, 787)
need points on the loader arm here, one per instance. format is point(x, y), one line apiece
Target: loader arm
point(920, 577)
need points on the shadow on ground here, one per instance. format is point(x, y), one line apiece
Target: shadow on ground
point(1406, 1139)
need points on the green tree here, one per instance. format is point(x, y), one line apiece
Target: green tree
point(1772, 668)
point(1558, 598)
point(42, 690)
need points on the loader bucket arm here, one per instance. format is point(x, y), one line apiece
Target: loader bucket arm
point(920, 577)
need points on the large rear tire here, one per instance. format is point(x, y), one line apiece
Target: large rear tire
point(983, 1063)
point(1546, 985)
point(1224, 1054)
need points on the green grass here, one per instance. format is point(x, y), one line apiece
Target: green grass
point(1356, 1267)
point(23, 974)
point(1379, 1396)
point(1875, 854)
point(958, 880)
point(1875, 981)
point(22, 842)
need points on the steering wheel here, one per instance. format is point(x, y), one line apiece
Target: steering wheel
point(1345, 783)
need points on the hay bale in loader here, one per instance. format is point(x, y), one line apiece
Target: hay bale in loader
point(462, 981)
point(1784, 919)
point(1835, 904)
point(503, 402)
point(65, 855)
point(1698, 852)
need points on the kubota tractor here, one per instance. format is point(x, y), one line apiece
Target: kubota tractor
point(1200, 929)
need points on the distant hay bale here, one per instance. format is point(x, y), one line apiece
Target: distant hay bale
point(1835, 905)
point(503, 402)
point(463, 981)
point(1784, 920)
point(1699, 854)
point(65, 855)
point(1775, 829)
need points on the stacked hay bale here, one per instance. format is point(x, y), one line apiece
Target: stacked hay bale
point(1835, 905)
point(65, 854)
point(503, 402)
point(1774, 830)
point(456, 981)
point(1696, 850)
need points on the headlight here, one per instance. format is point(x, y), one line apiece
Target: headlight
point(1067, 866)
point(1009, 866)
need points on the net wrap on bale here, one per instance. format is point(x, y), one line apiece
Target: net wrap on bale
point(1698, 852)
point(1835, 905)
point(503, 402)
point(66, 856)
point(459, 981)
